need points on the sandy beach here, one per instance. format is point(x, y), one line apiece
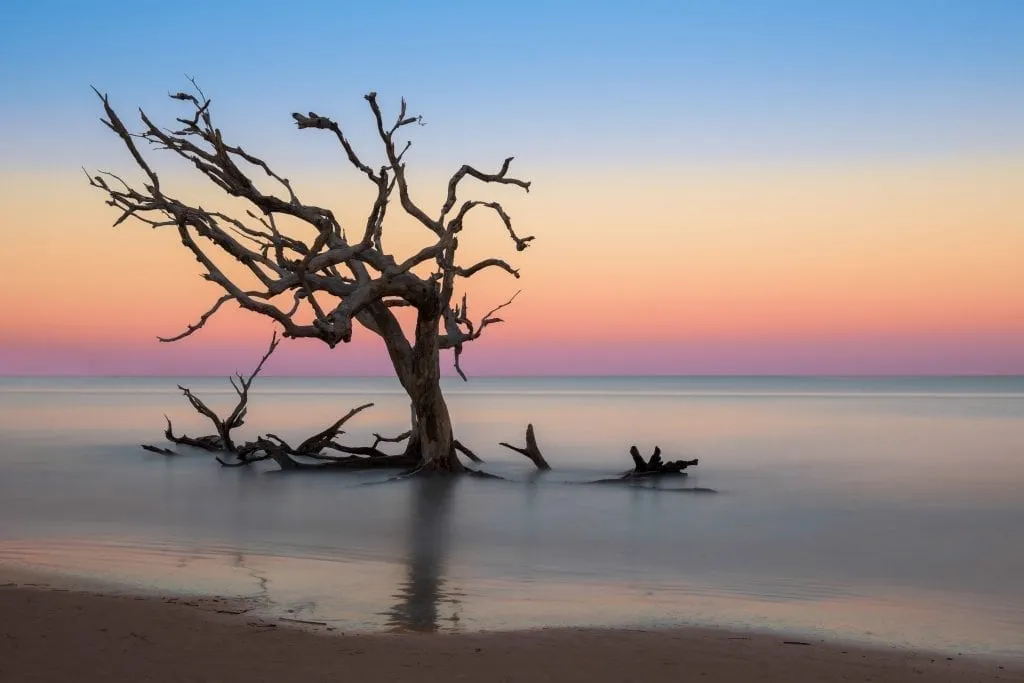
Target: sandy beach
point(49, 633)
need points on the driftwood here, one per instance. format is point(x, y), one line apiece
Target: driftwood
point(221, 440)
point(642, 469)
point(210, 442)
point(655, 466)
point(247, 454)
point(288, 457)
point(531, 451)
point(325, 439)
point(461, 448)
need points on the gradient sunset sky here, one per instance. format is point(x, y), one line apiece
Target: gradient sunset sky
point(718, 187)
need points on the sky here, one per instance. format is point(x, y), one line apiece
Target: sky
point(718, 187)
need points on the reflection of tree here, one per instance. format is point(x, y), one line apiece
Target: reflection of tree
point(419, 597)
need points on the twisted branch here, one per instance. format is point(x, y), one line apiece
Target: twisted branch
point(365, 280)
point(221, 440)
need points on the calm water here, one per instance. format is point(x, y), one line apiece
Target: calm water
point(884, 509)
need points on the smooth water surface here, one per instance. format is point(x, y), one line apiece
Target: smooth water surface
point(871, 509)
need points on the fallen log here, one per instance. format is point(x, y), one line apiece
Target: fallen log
point(288, 459)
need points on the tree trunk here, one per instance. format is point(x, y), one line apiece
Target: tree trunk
point(432, 429)
point(419, 370)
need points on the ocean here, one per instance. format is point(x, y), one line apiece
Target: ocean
point(886, 510)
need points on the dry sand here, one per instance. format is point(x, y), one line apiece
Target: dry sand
point(52, 634)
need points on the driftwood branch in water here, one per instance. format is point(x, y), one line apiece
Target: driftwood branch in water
point(531, 451)
point(288, 457)
point(157, 449)
point(221, 441)
point(378, 439)
point(461, 448)
point(247, 454)
point(642, 469)
point(285, 457)
point(273, 447)
point(210, 442)
point(655, 466)
point(325, 439)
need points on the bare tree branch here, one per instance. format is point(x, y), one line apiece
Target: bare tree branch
point(221, 440)
point(202, 320)
point(324, 439)
point(461, 329)
point(499, 177)
point(378, 439)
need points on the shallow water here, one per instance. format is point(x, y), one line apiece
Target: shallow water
point(872, 509)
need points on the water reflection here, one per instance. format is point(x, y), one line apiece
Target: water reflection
point(422, 593)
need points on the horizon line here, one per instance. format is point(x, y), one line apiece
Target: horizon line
point(710, 375)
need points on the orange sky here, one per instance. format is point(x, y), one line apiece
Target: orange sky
point(721, 256)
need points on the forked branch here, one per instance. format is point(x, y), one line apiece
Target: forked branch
point(221, 440)
point(531, 450)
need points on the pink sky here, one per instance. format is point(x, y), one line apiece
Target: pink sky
point(903, 269)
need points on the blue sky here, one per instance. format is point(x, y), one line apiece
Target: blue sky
point(624, 83)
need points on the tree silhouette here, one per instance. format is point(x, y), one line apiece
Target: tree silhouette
point(323, 285)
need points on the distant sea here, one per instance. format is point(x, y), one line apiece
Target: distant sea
point(881, 510)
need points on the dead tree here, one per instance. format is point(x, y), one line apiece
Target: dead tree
point(325, 286)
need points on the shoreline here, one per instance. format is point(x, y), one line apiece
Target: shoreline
point(55, 630)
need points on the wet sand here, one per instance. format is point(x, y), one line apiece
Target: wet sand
point(49, 633)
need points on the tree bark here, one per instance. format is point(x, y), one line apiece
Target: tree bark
point(434, 432)
point(419, 369)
